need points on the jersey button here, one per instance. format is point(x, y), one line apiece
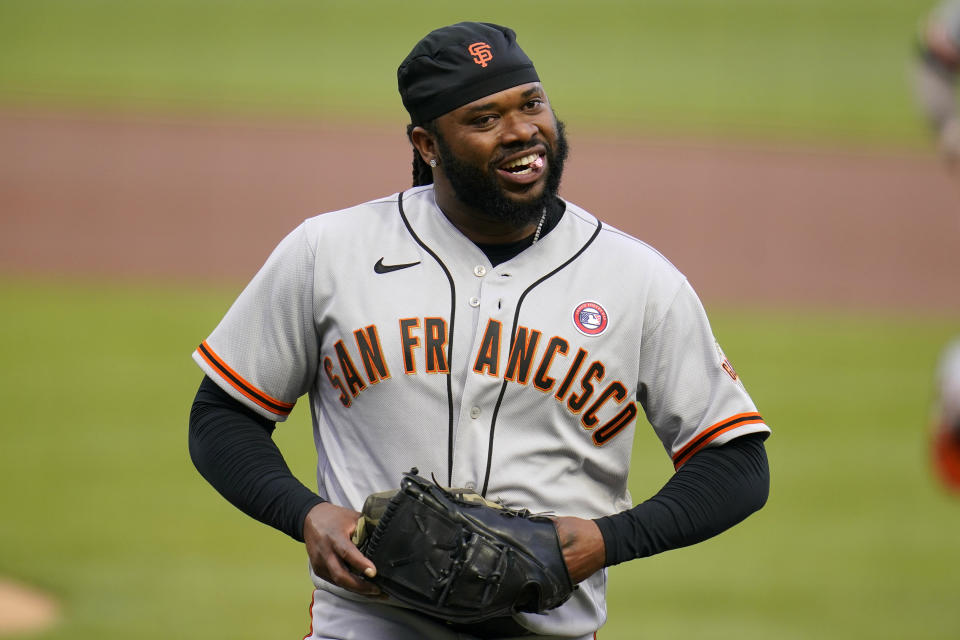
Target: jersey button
point(479, 271)
point(475, 412)
point(474, 301)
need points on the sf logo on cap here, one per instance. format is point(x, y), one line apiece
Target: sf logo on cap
point(481, 53)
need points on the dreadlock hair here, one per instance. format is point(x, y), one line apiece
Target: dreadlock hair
point(422, 173)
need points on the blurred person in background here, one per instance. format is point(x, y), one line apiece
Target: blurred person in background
point(946, 418)
point(935, 76)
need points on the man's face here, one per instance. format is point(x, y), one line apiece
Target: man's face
point(503, 155)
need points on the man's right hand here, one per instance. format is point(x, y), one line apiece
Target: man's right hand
point(326, 534)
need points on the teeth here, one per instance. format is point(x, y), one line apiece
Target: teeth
point(530, 159)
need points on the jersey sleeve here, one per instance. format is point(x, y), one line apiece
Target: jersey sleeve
point(263, 352)
point(690, 392)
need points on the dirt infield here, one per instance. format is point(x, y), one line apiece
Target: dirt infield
point(24, 610)
point(136, 197)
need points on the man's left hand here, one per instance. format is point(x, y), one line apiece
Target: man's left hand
point(582, 544)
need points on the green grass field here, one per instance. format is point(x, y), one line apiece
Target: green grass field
point(808, 69)
point(103, 507)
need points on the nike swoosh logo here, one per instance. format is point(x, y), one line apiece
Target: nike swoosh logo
point(387, 268)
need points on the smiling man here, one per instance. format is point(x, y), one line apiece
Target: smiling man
point(506, 161)
point(491, 334)
point(497, 158)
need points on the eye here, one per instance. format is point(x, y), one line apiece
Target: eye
point(533, 104)
point(484, 121)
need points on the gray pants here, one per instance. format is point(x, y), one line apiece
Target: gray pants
point(336, 618)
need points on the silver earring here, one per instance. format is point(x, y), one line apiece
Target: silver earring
point(433, 163)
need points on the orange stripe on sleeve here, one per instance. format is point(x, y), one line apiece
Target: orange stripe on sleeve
point(712, 433)
point(238, 382)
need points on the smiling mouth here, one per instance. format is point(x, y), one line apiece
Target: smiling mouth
point(525, 165)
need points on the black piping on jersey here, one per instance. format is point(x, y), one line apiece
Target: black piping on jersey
point(513, 337)
point(453, 307)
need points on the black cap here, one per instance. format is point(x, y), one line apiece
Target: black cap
point(454, 65)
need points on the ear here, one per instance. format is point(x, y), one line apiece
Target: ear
point(425, 144)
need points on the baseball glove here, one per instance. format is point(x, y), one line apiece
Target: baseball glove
point(454, 555)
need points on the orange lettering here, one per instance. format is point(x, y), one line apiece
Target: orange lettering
point(481, 53)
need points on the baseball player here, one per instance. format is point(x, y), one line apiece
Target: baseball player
point(935, 76)
point(946, 418)
point(493, 335)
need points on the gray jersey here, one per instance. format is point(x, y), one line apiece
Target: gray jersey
point(947, 15)
point(521, 380)
point(948, 384)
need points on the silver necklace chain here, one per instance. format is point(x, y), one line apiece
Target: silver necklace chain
point(536, 236)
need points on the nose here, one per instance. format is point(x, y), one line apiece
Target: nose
point(517, 129)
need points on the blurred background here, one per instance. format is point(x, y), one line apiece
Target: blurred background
point(153, 152)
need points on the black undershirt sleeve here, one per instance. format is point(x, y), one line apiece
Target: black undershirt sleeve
point(232, 448)
point(717, 488)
